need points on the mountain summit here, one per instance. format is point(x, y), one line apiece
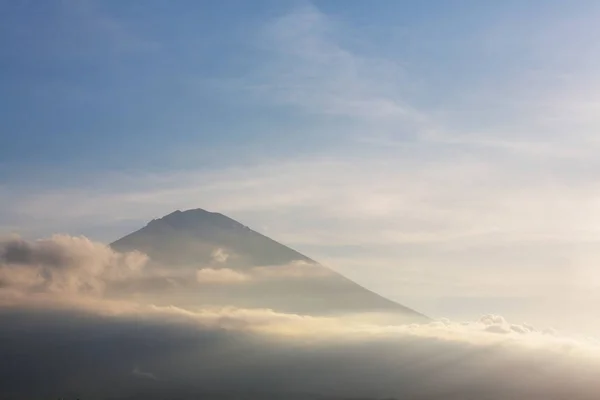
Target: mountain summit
point(248, 269)
point(191, 237)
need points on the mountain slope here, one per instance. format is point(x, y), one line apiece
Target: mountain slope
point(287, 280)
point(190, 237)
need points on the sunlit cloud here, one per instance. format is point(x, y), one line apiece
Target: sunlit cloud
point(64, 264)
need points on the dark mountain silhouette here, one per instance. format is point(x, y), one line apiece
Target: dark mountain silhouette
point(199, 239)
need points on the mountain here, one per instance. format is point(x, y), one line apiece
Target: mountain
point(280, 278)
point(192, 237)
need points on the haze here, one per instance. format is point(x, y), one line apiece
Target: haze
point(426, 173)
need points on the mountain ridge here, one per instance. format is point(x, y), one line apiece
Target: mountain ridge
point(190, 239)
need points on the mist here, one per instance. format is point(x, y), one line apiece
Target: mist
point(71, 325)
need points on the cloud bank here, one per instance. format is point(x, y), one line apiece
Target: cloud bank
point(65, 331)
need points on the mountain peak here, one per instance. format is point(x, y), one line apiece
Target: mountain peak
point(189, 237)
point(196, 219)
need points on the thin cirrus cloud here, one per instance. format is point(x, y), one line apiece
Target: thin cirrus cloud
point(310, 70)
point(526, 113)
point(304, 49)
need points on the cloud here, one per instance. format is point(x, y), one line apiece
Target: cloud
point(219, 255)
point(400, 219)
point(220, 276)
point(143, 374)
point(65, 273)
point(390, 225)
point(486, 206)
point(486, 197)
point(64, 264)
point(307, 67)
point(234, 350)
point(293, 271)
point(104, 337)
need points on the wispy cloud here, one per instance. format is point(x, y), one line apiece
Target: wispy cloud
point(431, 228)
point(143, 374)
point(213, 276)
point(279, 273)
point(307, 68)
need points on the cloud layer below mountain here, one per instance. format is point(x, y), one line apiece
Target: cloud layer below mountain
point(75, 321)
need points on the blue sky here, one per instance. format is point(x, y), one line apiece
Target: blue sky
point(443, 153)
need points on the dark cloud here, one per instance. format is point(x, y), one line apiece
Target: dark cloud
point(56, 353)
point(22, 252)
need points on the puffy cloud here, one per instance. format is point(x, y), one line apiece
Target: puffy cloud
point(64, 264)
point(497, 324)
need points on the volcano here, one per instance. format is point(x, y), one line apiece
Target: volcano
point(252, 269)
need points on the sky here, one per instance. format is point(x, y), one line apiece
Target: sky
point(440, 153)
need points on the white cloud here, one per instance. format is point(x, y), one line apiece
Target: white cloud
point(220, 255)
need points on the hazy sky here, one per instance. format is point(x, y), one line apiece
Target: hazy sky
point(443, 154)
